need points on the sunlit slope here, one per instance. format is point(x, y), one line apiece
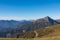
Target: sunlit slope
point(51, 31)
point(55, 33)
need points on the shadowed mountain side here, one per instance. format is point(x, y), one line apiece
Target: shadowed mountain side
point(10, 26)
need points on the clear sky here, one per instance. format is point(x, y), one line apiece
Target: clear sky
point(29, 9)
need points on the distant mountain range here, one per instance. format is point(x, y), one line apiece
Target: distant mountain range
point(9, 28)
point(14, 23)
point(11, 23)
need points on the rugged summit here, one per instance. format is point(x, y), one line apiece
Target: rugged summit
point(39, 23)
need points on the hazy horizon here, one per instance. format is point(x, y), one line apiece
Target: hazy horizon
point(29, 9)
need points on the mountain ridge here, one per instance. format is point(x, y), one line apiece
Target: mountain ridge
point(26, 26)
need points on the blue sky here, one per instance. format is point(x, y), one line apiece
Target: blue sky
point(29, 9)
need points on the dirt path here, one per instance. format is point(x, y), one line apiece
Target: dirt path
point(36, 33)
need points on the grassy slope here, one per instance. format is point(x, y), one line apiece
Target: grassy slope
point(56, 31)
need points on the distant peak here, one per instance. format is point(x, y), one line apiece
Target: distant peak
point(47, 17)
